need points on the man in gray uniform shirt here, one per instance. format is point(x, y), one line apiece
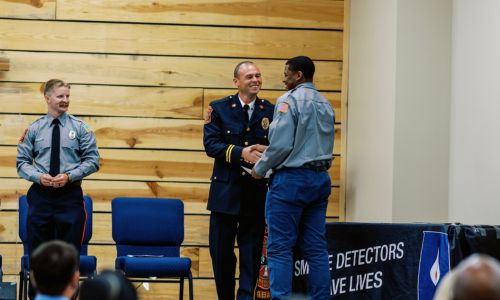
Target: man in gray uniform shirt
point(300, 153)
point(55, 153)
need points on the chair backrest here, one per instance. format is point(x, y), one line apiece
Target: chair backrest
point(147, 226)
point(23, 218)
point(89, 209)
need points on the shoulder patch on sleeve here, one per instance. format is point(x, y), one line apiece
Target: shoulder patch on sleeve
point(208, 115)
point(21, 140)
point(283, 107)
point(86, 128)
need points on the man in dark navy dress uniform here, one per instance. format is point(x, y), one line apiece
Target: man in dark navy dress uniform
point(235, 135)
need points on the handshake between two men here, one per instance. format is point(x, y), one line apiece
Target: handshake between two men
point(252, 154)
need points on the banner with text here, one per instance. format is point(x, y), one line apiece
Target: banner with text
point(382, 261)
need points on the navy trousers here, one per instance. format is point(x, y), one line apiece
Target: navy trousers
point(248, 231)
point(55, 213)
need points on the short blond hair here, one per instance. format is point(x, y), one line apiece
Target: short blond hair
point(53, 84)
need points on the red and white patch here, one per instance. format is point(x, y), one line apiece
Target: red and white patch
point(23, 136)
point(208, 115)
point(283, 107)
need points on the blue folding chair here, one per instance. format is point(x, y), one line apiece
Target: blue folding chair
point(148, 233)
point(88, 263)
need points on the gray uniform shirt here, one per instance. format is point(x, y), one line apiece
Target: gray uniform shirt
point(79, 156)
point(302, 130)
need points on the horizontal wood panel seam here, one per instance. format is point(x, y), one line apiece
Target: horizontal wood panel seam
point(150, 86)
point(113, 116)
point(176, 24)
point(153, 71)
point(163, 55)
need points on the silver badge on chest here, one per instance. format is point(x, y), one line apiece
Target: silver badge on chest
point(72, 134)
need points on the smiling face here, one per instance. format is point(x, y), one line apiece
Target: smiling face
point(58, 101)
point(248, 81)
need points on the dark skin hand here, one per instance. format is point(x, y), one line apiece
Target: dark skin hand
point(255, 175)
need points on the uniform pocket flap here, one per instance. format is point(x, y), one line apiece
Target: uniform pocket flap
point(232, 130)
point(220, 175)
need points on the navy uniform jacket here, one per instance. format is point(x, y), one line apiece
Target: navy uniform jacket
point(225, 134)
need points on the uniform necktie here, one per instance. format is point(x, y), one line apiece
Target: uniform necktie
point(246, 107)
point(55, 149)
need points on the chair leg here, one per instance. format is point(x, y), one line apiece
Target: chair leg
point(26, 285)
point(181, 288)
point(21, 285)
point(190, 278)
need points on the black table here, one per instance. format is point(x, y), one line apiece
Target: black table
point(396, 261)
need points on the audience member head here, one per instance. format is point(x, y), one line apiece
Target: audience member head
point(478, 278)
point(54, 269)
point(108, 285)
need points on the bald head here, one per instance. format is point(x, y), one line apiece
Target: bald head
point(478, 278)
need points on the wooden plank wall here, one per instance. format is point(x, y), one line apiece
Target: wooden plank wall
point(142, 73)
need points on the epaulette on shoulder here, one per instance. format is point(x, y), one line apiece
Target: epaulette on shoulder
point(264, 101)
point(222, 100)
point(288, 93)
point(34, 123)
point(74, 118)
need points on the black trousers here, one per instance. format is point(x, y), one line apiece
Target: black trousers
point(249, 233)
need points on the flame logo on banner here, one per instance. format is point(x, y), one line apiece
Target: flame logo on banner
point(435, 270)
point(434, 263)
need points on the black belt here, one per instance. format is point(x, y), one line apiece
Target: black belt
point(318, 165)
